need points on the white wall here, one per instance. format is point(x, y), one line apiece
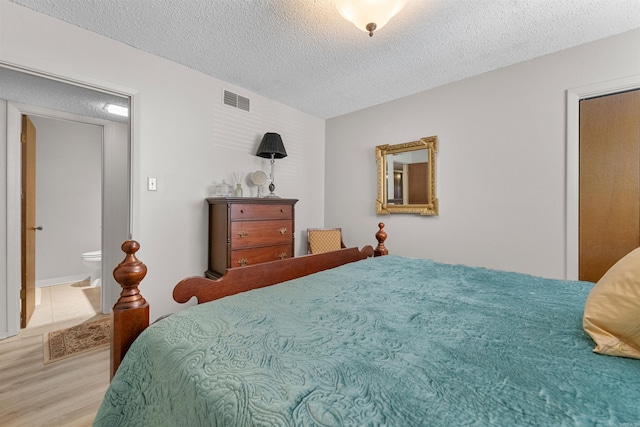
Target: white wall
point(501, 167)
point(68, 197)
point(182, 135)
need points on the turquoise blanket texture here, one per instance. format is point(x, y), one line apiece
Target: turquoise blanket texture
point(388, 341)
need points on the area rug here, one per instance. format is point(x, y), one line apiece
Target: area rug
point(79, 339)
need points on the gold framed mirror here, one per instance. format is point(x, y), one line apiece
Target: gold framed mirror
point(407, 177)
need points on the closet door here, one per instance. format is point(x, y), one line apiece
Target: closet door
point(609, 216)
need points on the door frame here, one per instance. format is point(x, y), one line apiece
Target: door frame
point(10, 325)
point(574, 96)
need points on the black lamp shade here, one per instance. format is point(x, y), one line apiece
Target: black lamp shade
point(271, 145)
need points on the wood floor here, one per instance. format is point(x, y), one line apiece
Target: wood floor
point(63, 393)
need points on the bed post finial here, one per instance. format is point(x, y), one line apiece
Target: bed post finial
point(129, 273)
point(381, 236)
point(130, 314)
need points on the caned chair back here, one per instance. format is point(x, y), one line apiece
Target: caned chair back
point(321, 240)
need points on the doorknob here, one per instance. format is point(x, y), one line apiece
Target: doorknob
point(38, 228)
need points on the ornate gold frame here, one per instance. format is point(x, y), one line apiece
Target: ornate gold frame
point(382, 206)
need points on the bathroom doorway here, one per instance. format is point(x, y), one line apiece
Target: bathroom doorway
point(66, 217)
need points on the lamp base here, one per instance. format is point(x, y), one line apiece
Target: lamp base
point(272, 186)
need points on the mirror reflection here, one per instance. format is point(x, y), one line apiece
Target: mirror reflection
point(406, 177)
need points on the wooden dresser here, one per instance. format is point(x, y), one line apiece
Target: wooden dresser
point(249, 230)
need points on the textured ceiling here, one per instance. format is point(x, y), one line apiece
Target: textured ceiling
point(44, 92)
point(304, 54)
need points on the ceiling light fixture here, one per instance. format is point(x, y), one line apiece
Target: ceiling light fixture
point(118, 110)
point(369, 15)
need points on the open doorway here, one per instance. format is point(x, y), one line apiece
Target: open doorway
point(67, 219)
point(55, 100)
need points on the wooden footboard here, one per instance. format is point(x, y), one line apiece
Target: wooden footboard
point(256, 276)
point(130, 315)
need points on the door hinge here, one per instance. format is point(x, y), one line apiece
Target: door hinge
point(23, 294)
point(23, 138)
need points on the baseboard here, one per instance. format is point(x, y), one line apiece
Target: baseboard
point(61, 280)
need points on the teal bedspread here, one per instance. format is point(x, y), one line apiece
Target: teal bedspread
point(388, 341)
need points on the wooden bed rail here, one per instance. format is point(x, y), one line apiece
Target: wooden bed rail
point(130, 314)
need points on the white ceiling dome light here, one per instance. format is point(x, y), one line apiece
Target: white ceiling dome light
point(369, 15)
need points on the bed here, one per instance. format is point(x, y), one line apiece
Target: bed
point(384, 340)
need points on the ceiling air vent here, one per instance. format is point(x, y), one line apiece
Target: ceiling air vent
point(237, 101)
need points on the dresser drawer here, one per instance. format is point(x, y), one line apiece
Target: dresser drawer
point(247, 234)
point(242, 257)
point(248, 212)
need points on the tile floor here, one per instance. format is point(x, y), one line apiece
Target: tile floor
point(65, 301)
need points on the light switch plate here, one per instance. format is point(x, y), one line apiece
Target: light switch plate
point(152, 184)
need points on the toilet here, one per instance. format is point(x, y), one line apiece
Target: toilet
point(93, 260)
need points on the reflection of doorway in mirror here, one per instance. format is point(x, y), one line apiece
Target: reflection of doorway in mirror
point(417, 188)
point(409, 178)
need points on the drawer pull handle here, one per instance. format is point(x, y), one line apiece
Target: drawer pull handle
point(242, 262)
point(283, 230)
point(283, 255)
point(241, 210)
point(243, 233)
